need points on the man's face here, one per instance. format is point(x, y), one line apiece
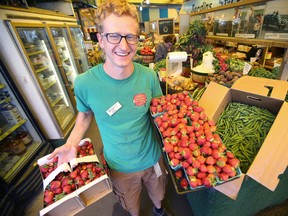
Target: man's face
point(121, 54)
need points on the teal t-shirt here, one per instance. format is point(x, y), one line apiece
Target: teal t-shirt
point(129, 140)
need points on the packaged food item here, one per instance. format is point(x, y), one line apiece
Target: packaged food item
point(24, 136)
point(15, 146)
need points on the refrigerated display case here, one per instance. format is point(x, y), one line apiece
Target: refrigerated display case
point(76, 37)
point(40, 56)
point(48, 61)
point(21, 144)
point(65, 53)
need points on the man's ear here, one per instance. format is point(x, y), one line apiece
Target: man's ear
point(100, 40)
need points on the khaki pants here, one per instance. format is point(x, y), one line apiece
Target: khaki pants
point(128, 186)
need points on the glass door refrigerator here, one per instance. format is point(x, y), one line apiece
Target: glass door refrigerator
point(45, 72)
point(64, 52)
point(76, 39)
point(21, 144)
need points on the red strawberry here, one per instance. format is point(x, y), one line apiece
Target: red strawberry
point(184, 164)
point(186, 152)
point(216, 154)
point(191, 171)
point(57, 190)
point(193, 181)
point(203, 168)
point(49, 197)
point(234, 162)
point(201, 159)
point(221, 162)
point(178, 174)
point(44, 168)
point(207, 182)
point(201, 175)
point(184, 183)
point(168, 147)
point(84, 174)
point(73, 174)
point(227, 169)
point(55, 184)
point(210, 169)
point(174, 162)
point(210, 160)
point(223, 176)
point(196, 164)
point(230, 154)
point(67, 189)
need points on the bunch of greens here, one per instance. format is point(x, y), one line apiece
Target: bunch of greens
point(193, 42)
point(160, 64)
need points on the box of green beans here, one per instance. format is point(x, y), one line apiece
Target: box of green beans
point(251, 120)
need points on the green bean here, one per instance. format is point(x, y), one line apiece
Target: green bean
point(243, 128)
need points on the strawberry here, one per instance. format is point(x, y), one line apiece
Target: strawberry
point(201, 159)
point(227, 169)
point(207, 182)
point(67, 189)
point(186, 152)
point(200, 175)
point(178, 174)
point(55, 185)
point(193, 181)
point(234, 162)
point(49, 196)
point(216, 154)
point(184, 183)
point(168, 147)
point(203, 168)
point(206, 150)
point(210, 160)
point(174, 162)
point(223, 176)
point(191, 171)
point(184, 164)
point(196, 164)
point(57, 190)
point(230, 154)
point(221, 162)
point(210, 169)
point(73, 174)
point(84, 174)
point(44, 168)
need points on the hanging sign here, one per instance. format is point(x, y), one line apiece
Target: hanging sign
point(166, 26)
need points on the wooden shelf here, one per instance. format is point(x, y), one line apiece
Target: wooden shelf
point(268, 43)
point(228, 6)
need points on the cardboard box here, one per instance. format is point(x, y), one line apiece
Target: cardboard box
point(272, 158)
point(82, 197)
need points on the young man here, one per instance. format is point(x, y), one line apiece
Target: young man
point(117, 94)
point(164, 47)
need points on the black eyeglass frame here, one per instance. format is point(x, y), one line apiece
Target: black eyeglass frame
point(121, 36)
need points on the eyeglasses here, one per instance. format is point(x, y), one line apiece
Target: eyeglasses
point(115, 38)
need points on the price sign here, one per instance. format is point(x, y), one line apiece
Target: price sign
point(247, 68)
point(166, 26)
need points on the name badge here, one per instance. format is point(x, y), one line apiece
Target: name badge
point(157, 170)
point(114, 109)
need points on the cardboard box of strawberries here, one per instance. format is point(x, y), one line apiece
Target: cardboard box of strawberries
point(68, 188)
point(194, 151)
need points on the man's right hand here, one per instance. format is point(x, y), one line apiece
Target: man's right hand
point(65, 153)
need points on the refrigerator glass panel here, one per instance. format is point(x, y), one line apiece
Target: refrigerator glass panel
point(78, 43)
point(46, 71)
point(65, 53)
point(19, 140)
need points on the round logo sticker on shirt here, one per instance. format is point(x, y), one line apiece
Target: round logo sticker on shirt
point(140, 99)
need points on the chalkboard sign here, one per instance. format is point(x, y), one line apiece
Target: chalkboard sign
point(166, 26)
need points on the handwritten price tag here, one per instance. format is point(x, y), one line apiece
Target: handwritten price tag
point(247, 68)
